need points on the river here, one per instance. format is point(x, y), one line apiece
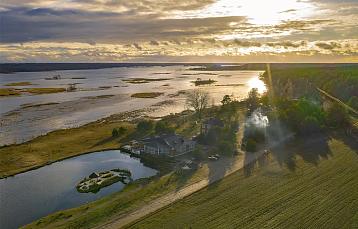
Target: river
point(32, 195)
point(20, 123)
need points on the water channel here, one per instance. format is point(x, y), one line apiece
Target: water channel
point(32, 195)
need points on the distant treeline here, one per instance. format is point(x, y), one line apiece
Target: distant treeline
point(40, 67)
point(263, 66)
point(340, 82)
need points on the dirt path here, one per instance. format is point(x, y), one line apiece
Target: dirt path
point(233, 164)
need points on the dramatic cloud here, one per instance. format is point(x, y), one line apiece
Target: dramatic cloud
point(153, 43)
point(170, 30)
point(329, 46)
point(247, 43)
point(137, 46)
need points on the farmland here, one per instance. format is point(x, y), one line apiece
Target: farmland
point(308, 183)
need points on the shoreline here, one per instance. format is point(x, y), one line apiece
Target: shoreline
point(126, 118)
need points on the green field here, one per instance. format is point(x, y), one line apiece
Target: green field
point(308, 183)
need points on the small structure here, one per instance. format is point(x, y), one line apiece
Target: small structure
point(206, 125)
point(93, 175)
point(186, 167)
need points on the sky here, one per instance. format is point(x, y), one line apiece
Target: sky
point(209, 31)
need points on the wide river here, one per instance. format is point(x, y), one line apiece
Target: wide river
point(20, 122)
point(29, 196)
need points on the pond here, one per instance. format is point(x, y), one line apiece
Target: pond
point(30, 196)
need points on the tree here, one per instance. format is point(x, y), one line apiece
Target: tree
point(213, 136)
point(198, 100)
point(145, 125)
point(227, 134)
point(353, 102)
point(251, 145)
point(162, 127)
point(226, 148)
point(118, 131)
point(265, 100)
point(253, 98)
point(337, 115)
point(198, 153)
point(225, 102)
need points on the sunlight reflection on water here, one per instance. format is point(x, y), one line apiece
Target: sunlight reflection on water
point(257, 83)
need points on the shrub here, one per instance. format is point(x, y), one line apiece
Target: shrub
point(163, 127)
point(198, 153)
point(251, 145)
point(118, 131)
point(226, 148)
point(145, 125)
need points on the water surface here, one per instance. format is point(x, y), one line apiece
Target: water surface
point(30, 196)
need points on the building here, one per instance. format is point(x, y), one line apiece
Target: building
point(205, 126)
point(166, 144)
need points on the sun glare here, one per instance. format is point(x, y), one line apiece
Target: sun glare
point(257, 83)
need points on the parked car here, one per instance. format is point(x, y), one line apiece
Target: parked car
point(204, 148)
point(212, 158)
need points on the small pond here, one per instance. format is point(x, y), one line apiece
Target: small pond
point(30, 196)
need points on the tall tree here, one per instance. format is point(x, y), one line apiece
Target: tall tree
point(198, 100)
point(253, 98)
point(337, 115)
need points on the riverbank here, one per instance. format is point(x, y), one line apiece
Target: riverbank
point(66, 143)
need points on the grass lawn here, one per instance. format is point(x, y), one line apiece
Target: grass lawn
point(309, 183)
point(61, 144)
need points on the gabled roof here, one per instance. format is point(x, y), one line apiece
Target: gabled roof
point(215, 122)
point(93, 175)
point(169, 141)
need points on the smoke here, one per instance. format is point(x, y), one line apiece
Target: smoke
point(258, 119)
point(262, 129)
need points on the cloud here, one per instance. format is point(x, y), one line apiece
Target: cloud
point(329, 46)
point(287, 11)
point(286, 44)
point(210, 40)
point(137, 46)
point(20, 26)
point(91, 42)
point(247, 43)
point(153, 43)
point(175, 41)
point(302, 25)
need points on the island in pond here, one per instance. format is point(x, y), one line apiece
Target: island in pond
point(97, 181)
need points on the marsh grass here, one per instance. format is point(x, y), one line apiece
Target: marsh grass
point(45, 90)
point(20, 84)
point(143, 80)
point(27, 105)
point(147, 95)
point(5, 92)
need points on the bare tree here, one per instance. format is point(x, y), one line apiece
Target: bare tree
point(198, 100)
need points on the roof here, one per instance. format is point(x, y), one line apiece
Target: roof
point(169, 141)
point(215, 122)
point(93, 175)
